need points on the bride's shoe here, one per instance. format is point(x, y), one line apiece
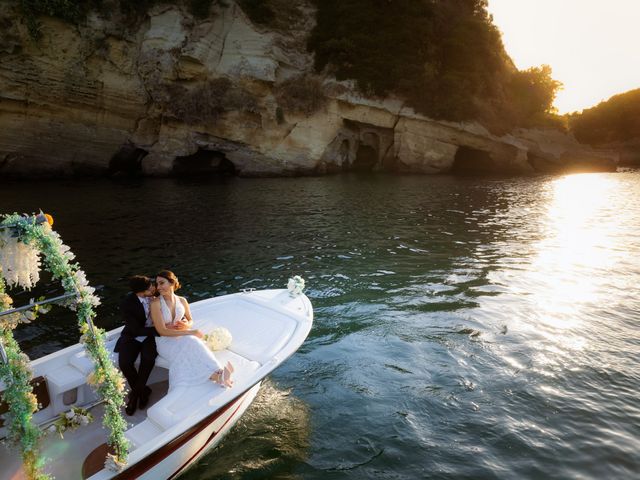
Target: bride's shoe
point(226, 375)
point(217, 376)
point(222, 377)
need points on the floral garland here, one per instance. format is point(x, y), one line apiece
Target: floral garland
point(16, 374)
point(36, 231)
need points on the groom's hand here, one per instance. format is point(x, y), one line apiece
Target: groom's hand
point(183, 324)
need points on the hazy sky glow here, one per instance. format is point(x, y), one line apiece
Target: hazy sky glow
point(592, 46)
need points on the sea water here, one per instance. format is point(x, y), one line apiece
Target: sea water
point(464, 327)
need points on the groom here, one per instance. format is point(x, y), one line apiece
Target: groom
point(137, 338)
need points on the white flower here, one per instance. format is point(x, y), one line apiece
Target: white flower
point(70, 414)
point(93, 299)
point(81, 279)
point(84, 420)
point(87, 290)
point(66, 252)
point(20, 262)
point(295, 285)
point(218, 339)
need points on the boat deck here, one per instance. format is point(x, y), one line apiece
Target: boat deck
point(66, 456)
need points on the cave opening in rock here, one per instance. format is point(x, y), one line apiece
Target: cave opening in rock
point(366, 159)
point(127, 161)
point(470, 161)
point(343, 154)
point(204, 162)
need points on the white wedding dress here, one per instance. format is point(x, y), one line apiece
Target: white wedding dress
point(190, 360)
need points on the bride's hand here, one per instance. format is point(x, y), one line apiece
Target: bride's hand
point(198, 333)
point(183, 324)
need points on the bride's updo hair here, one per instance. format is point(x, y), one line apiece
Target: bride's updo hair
point(170, 277)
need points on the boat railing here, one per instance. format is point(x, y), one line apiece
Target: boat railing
point(41, 302)
point(3, 353)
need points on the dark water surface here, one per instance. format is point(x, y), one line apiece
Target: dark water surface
point(464, 328)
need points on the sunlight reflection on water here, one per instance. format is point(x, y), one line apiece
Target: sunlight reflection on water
point(581, 236)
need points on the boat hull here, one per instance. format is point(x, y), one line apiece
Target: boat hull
point(178, 455)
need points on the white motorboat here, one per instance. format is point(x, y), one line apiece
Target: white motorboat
point(178, 427)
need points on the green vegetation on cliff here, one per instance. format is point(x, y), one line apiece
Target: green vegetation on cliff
point(74, 11)
point(615, 120)
point(446, 58)
point(71, 11)
point(425, 51)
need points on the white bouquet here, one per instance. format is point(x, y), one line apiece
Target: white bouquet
point(74, 418)
point(295, 285)
point(218, 339)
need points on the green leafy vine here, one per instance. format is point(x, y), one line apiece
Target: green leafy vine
point(16, 375)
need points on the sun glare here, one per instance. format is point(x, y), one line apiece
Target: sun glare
point(590, 46)
point(577, 240)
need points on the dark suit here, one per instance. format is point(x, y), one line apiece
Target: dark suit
point(129, 348)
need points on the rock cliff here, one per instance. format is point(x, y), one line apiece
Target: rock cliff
point(171, 94)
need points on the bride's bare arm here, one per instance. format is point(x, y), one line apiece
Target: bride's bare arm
point(158, 323)
point(187, 310)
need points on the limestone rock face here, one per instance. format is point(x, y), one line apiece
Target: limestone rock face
point(629, 152)
point(551, 151)
point(173, 94)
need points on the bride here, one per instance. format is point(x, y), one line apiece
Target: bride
point(190, 360)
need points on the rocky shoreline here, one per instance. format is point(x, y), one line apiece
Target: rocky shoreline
point(174, 95)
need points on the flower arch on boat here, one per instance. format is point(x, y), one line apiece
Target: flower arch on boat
point(23, 240)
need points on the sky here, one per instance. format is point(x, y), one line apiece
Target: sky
point(592, 46)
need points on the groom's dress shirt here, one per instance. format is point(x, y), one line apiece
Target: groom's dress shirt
point(145, 304)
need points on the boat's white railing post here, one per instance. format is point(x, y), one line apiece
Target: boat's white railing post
point(93, 331)
point(3, 353)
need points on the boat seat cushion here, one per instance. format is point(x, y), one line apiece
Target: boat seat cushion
point(63, 379)
point(83, 363)
point(182, 402)
point(142, 433)
point(259, 341)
